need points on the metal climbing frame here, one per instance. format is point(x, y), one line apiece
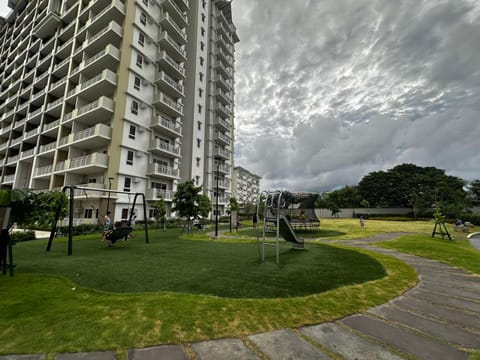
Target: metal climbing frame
point(273, 200)
point(70, 213)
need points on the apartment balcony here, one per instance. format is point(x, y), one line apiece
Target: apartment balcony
point(170, 66)
point(65, 50)
point(172, 47)
point(114, 12)
point(223, 57)
point(18, 125)
point(223, 69)
point(222, 153)
point(54, 108)
point(12, 159)
point(223, 184)
point(179, 15)
point(90, 138)
point(111, 34)
point(43, 149)
point(50, 21)
point(58, 87)
point(103, 83)
point(223, 97)
point(222, 110)
point(222, 139)
point(84, 165)
point(169, 85)
point(175, 31)
point(157, 194)
point(34, 116)
point(16, 141)
point(223, 169)
point(222, 82)
point(163, 171)
point(223, 30)
point(90, 113)
point(223, 20)
point(8, 179)
point(162, 148)
point(223, 44)
point(31, 135)
point(61, 69)
point(43, 172)
point(166, 126)
point(28, 154)
point(107, 58)
point(168, 105)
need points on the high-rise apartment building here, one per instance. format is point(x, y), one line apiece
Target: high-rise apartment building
point(246, 186)
point(132, 95)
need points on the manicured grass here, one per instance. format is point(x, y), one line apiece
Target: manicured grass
point(131, 296)
point(346, 229)
point(185, 265)
point(457, 253)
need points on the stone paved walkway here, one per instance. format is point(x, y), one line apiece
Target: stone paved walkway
point(437, 319)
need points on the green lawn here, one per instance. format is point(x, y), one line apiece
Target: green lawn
point(177, 290)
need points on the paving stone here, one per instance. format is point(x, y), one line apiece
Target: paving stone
point(231, 349)
point(286, 345)
point(445, 300)
point(347, 344)
point(429, 326)
point(441, 278)
point(462, 318)
point(164, 352)
point(104, 355)
point(418, 346)
point(23, 357)
point(447, 289)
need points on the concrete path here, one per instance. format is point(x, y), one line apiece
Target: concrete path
point(437, 319)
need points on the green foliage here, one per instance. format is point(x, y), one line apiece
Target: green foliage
point(233, 204)
point(189, 202)
point(19, 236)
point(473, 192)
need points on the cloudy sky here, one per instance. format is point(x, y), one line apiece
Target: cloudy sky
point(328, 91)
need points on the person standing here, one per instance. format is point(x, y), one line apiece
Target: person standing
point(107, 226)
point(255, 220)
point(362, 222)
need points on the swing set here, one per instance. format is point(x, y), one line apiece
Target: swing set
point(113, 235)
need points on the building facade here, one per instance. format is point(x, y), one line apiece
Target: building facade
point(120, 95)
point(246, 186)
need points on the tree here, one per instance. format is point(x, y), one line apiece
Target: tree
point(187, 200)
point(204, 205)
point(160, 210)
point(233, 204)
point(473, 192)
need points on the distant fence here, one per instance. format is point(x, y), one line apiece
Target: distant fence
point(350, 213)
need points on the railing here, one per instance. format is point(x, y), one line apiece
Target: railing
point(31, 133)
point(223, 137)
point(167, 17)
point(14, 158)
point(8, 178)
point(173, 43)
point(158, 193)
point(54, 103)
point(27, 153)
point(170, 102)
point(157, 144)
point(51, 125)
point(221, 152)
point(163, 170)
point(47, 147)
point(169, 124)
point(170, 81)
point(223, 123)
point(163, 55)
point(59, 82)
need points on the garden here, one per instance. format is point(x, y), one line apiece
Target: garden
point(182, 288)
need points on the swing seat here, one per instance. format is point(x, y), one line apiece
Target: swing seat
point(118, 233)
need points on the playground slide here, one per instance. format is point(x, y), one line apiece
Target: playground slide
point(288, 234)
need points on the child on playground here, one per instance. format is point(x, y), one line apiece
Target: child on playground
point(362, 222)
point(107, 226)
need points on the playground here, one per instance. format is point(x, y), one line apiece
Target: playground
point(181, 288)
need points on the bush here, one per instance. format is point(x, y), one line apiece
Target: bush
point(19, 236)
point(473, 218)
point(82, 229)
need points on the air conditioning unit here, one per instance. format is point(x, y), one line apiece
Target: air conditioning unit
point(147, 61)
point(135, 180)
point(150, 20)
point(138, 154)
point(143, 106)
point(149, 41)
point(145, 82)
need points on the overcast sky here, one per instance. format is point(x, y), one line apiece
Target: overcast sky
point(328, 91)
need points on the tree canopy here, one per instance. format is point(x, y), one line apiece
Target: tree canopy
point(189, 202)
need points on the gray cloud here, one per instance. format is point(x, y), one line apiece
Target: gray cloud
point(329, 91)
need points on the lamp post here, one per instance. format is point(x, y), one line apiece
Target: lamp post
point(217, 162)
point(109, 188)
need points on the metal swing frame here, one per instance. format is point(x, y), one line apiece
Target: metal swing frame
point(70, 213)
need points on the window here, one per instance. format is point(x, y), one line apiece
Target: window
point(159, 186)
point(141, 39)
point(203, 17)
point(136, 83)
point(202, 60)
point(200, 75)
point(134, 108)
point(145, 2)
point(124, 214)
point(199, 125)
point(198, 161)
point(197, 180)
point(202, 45)
point(143, 18)
point(199, 109)
point(199, 142)
point(139, 61)
point(200, 92)
point(88, 213)
point(132, 132)
point(129, 157)
point(204, 3)
point(152, 213)
point(127, 184)
point(161, 162)
point(202, 31)
point(92, 180)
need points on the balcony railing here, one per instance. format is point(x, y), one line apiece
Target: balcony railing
point(158, 169)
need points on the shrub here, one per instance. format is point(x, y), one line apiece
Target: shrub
point(19, 236)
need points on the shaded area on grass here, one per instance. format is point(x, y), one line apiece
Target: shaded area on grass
point(225, 269)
